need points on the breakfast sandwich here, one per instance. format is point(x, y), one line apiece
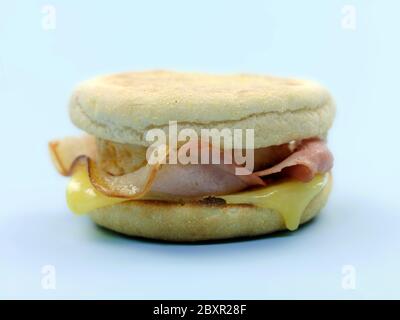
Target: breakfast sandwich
point(190, 157)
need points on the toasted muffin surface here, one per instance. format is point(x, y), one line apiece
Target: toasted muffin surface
point(123, 107)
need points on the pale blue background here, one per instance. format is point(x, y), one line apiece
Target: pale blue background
point(360, 225)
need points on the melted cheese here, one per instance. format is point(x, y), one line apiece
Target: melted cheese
point(82, 197)
point(289, 198)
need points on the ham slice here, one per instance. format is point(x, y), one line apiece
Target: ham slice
point(267, 157)
point(197, 180)
point(192, 180)
point(70, 153)
point(309, 158)
point(66, 152)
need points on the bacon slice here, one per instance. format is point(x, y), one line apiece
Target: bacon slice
point(309, 158)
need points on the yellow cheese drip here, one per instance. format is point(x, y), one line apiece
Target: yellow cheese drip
point(288, 198)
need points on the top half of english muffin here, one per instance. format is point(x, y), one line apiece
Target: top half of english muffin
point(122, 107)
